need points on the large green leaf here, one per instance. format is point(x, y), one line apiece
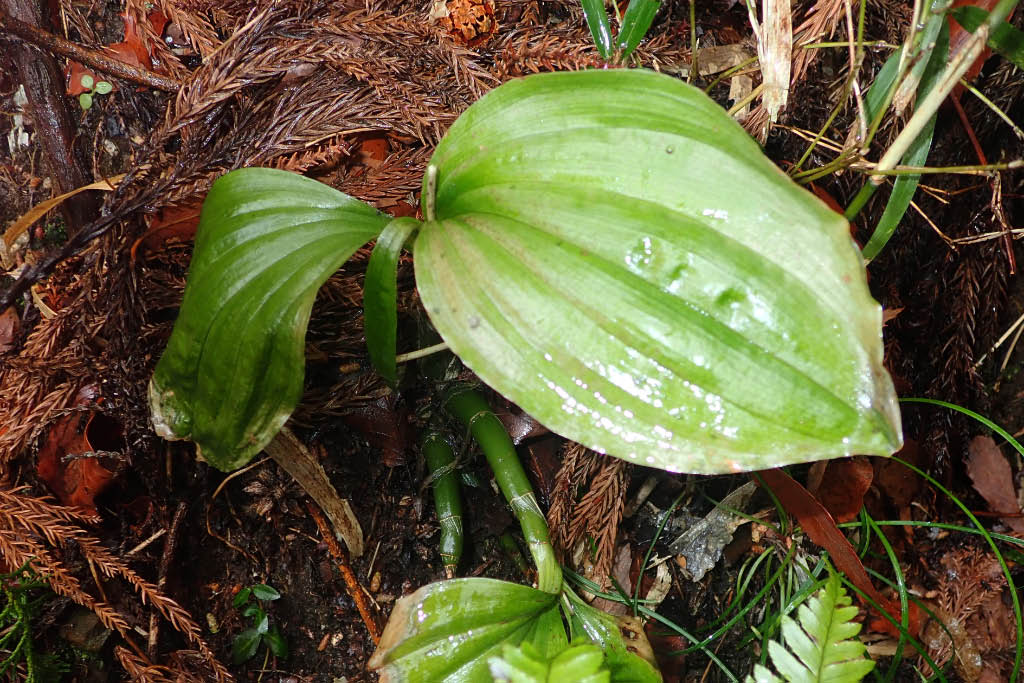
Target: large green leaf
point(445, 632)
point(612, 252)
point(232, 372)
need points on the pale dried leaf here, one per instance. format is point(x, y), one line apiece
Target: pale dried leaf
point(295, 459)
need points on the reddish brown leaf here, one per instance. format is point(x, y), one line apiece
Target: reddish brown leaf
point(69, 463)
point(131, 51)
point(895, 481)
point(822, 529)
point(843, 485)
point(384, 425)
point(177, 222)
point(992, 478)
point(10, 323)
point(958, 36)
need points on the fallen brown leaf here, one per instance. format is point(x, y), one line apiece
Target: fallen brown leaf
point(993, 479)
point(843, 485)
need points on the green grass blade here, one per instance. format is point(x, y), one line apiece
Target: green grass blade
point(905, 186)
point(1019, 651)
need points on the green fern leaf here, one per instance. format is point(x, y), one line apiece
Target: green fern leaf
point(821, 646)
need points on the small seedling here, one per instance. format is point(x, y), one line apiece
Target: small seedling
point(250, 601)
point(94, 87)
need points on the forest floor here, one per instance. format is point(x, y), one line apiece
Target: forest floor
point(146, 569)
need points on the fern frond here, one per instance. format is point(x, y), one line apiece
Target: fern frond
point(821, 646)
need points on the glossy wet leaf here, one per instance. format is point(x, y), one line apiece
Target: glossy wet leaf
point(446, 631)
point(245, 644)
point(614, 254)
point(600, 30)
point(380, 296)
point(629, 661)
point(264, 592)
point(635, 24)
point(233, 369)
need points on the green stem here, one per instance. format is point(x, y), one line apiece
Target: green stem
point(447, 499)
point(470, 408)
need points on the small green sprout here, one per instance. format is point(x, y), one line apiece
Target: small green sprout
point(94, 87)
point(248, 641)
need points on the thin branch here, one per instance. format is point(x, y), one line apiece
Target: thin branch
point(92, 58)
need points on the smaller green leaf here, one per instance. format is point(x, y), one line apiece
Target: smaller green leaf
point(525, 664)
point(580, 663)
point(264, 592)
point(262, 622)
point(241, 597)
point(380, 292)
point(85, 100)
point(233, 369)
point(600, 29)
point(86, 81)
point(447, 631)
point(635, 24)
point(251, 611)
point(244, 646)
point(1007, 40)
point(521, 664)
point(588, 623)
point(276, 642)
point(821, 644)
point(104, 88)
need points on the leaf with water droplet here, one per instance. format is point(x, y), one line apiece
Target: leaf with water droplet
point(703, 293)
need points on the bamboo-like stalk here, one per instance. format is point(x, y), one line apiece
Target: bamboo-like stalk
point(447, 499)
point(470, 408)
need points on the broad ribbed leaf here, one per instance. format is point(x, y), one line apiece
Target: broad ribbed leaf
point(232, 372)
point(613, 253)
point(445, 632)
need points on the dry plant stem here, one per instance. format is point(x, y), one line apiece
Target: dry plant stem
point(977, 169)
point(165, 563)
point(954, 71)
point(92, 58)
point(420, 353)
point(295, 458)
point(355, 590)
